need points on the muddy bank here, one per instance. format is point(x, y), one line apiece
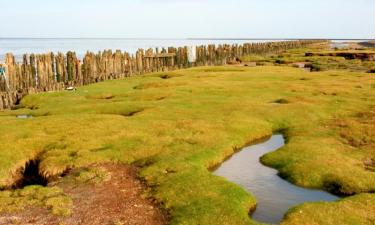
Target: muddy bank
point(110, 195)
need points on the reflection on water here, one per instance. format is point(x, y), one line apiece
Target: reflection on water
point(274, 195)
point(339, 45)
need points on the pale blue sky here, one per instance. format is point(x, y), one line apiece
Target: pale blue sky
point(190, 18)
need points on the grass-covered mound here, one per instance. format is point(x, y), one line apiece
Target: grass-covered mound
point(355, 210)
point(178, 125)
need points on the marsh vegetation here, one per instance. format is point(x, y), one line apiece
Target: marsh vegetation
point(175, 126)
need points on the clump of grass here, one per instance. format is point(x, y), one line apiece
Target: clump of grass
point(52, 198)
point(60, 205)
point(315, 66)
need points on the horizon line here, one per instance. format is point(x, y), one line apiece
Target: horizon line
point(196, 38)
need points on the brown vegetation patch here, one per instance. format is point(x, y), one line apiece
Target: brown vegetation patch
point(358, 131)
point(346, 54)
point(369, 164)
point(367, 44)
point(115, 198)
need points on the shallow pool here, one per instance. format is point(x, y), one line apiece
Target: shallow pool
point(274, 195)
point(24, 116)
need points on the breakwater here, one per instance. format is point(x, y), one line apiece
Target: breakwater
point(54, 72)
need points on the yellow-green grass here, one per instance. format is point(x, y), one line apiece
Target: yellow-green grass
point(177, 125)
point(52, 198)
point(316, 63)
point(366, 51)
point(359, 209)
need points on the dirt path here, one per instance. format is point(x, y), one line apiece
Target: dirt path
point(116, 200)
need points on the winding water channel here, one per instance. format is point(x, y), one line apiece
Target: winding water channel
point(274, 195)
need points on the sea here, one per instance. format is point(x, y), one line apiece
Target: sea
point(20, 46)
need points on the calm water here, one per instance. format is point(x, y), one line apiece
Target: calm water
point(274, 195)
point(24, 116)
point(19, 46)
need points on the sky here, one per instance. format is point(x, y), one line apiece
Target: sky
point(187, 18)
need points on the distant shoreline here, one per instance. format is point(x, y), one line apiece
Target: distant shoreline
point(218, 39)
point(20, 46)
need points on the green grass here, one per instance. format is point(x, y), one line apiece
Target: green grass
point(178, 125)
point(351, 211)
point(317, 63)
point(52, 198)
point(368, 51)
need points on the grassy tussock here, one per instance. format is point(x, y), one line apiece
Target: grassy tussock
point(351, 211)
point(51, 198)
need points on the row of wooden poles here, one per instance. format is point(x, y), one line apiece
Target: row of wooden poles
point(53, 72)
